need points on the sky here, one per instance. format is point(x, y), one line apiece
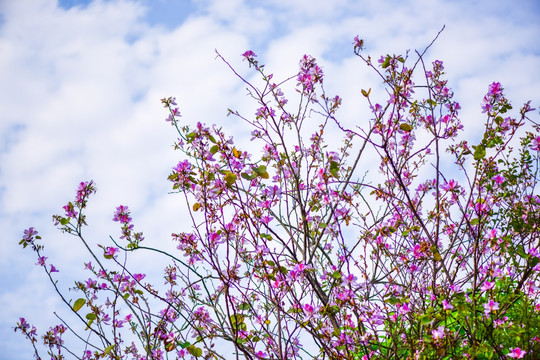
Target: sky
point(81, 83)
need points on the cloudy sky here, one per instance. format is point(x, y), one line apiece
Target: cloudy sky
point(81, 80)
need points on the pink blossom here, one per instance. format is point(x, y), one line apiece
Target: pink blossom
point(446, 305)
point(404, 309)
point(110, 252)
point(499, 179)
point(349, 280)
point(249, 55)
point(534, 252)
point(261, 355)
point(41, 260)
point(438, 333)
point(487, 286)
point(516, 353)
point(491, 306)
point(139, 277)
point(122, 214)
point(536, 144)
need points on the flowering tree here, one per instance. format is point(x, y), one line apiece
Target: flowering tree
point(296, 252)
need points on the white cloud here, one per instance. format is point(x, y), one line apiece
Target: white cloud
point(80, 92)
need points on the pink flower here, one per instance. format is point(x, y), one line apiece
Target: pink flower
point(499, 179)
point(249, 55)
point(534, 252)
point(70, 210)
point(536, 144)
point(41, 260)
point(516, 353)
point(487, 286)
point(404, 309)
point(110, 252)
point(122, 214)
point(53, 269)
point(310, 311)
point(491, 306)
point(261, 355)
point(446, 305)
point(139, 277)
point(449, 186)
point(349, 280)
point(438, 333)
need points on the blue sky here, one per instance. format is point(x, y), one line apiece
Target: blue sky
point(80, 85)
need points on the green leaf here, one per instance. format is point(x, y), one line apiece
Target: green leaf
point(431, 102)
point(195, 351)
point(237, 319)
point(405, 127)
point(366, 93)
point(392, 300)
point(436, 253)
point(475, 221)
point(426, 319)
point(91, 316)
point(266, 236)
point(190, 137)
point(108, 349)
point(78, 304)
point(334, 169)
point(184, 345)
point(386, 62)
point(244, 306)
point(521, 251)
point(249, 176)
point(479, 152)
point(230, 178)
point(214, 149)
point(261, 171)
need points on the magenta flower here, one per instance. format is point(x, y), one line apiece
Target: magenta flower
point(499, 179)
point(536, 144)
point(534, 252)
point(516, 353)
point(349, 280)
point(487, 286)
point(122, 214)
point(41, 260)
point(438, 333)
point(446, 305)
point(85, 189)
point(491, 306)
point(404, 309)
point(139, 277)
point(249, 55)
point(70, 210)
point(310, 311)
point(110, 252)
point(53, 269)
point(261, 355)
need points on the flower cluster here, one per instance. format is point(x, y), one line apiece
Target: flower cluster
point(123, 215)
point(72, 210)
point(309, 75)
point(296, 251)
